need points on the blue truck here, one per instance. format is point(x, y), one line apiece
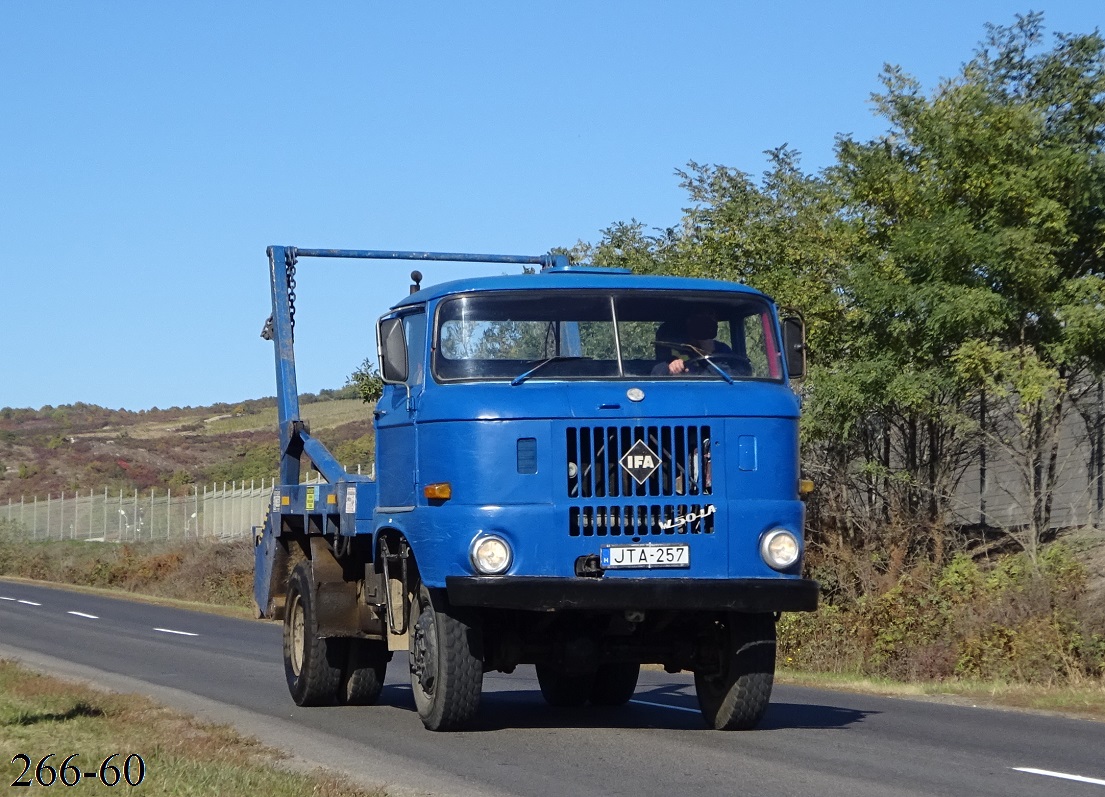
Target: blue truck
point(577, 467)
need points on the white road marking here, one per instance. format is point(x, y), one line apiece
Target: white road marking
point(4, 598)
point(665, 705)
point(29, 603)
point(82, 614)
point(1063, 775)
point(171, 631)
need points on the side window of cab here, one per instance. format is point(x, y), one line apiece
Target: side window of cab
point(414, 332)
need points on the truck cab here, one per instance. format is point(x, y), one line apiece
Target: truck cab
point(580, 468)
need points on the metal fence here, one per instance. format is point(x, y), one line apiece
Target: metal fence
point(204, 511)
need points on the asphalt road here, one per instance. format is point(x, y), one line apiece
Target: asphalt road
point(811, 742)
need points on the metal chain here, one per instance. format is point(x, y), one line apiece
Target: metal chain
point(289, 271)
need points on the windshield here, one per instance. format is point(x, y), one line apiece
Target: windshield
point(520, 336)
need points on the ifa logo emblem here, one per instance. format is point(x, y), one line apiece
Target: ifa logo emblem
point(640, 462)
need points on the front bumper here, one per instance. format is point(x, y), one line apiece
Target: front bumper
point(546, 593)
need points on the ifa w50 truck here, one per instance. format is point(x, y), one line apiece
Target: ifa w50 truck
point(576, 467)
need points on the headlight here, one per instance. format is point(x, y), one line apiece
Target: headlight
point(490, 555)
point(780, 549)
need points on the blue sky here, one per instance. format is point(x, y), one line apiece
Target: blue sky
point(149, 152)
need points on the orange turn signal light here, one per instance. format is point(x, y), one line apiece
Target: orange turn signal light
point(439, 491)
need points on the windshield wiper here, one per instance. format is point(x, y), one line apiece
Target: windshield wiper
point(718, 368)
point(559, 358)
point(699, 355)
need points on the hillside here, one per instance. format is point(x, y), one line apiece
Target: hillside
point(86, 447)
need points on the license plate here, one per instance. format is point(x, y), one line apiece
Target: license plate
point(645, 556)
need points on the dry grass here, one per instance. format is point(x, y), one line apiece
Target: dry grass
point(320, 414)
point(182, 756)
point(1086, 701)
point(209, 573)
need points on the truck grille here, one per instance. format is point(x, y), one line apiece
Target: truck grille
point(594, 467)
point(641, 520)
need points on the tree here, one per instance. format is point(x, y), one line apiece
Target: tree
point(626, 245)
point(951, 275)
point(984, 277)
point(368, 382)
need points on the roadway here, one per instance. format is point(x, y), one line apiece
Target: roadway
point(812, 742)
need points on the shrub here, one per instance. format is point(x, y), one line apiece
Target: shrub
point(205, 572)
point(258, 461)
point(1009, 621)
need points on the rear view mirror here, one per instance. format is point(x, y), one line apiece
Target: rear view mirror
point(393, 351)
point(794, 345)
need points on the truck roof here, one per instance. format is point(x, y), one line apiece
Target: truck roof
point(574, 278)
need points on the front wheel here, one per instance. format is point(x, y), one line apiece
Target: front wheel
point(446, 663)
point(734, 691)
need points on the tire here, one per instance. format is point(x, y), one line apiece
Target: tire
point(735, 696)
point(312, 665)
point(564, 690)
point(365, 669)
point(446, 663)
point(614, 684)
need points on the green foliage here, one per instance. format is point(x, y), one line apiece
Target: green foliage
point(1012, 622)
point(367, 382)
point(950, 265)
point(258, 461)
point(961, 581)
point(180, 480)
point(360, 451)
point(984, 223)
point(626, 245)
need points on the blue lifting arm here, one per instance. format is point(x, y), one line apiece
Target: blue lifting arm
point(295, 439)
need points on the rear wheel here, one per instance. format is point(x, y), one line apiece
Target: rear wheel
point(735, 692)
point(614, 684)
point(312, 664)
point(446, 663)
point(363, 678)
point(561, 689)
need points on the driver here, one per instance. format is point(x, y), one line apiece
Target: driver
point(696, 337)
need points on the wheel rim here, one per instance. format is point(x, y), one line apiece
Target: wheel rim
point(424, 653)
point(298, 635)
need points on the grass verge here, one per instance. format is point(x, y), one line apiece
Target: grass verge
point(199, 572)
point(40, 715)
point(1083, 701)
